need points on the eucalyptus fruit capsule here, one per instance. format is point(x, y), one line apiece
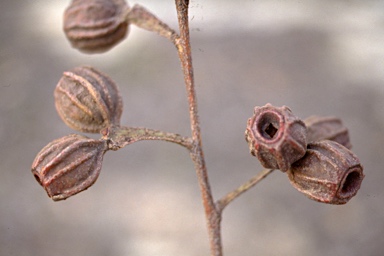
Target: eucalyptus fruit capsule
point(95, 26)
point(327, 128)
point(276, 137)
point(328, 173)
point(88, 100)
point(69, 165)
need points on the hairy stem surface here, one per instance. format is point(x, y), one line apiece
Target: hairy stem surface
point(184, 49)
point(121, 136)
point(144, 19)
point(228, 198)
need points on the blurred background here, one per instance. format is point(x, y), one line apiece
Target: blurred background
point(317, 57)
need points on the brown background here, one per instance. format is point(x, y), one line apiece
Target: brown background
point(317, 57)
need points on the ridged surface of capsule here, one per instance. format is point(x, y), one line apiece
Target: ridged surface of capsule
point(88, 100)
point(328, 173)
point(95, 26)
point(327, 128)
point(69, 165)
point(276, 137)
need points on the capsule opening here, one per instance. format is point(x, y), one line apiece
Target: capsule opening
point(271, 130)
point(268, 125)
point(351, 183)
point(37, 178)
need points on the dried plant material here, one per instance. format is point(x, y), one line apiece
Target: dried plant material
point(276, 137)
point(88, 100)
point(95, 26)
point(327, 128)
point(142, 18)
point(328, 173)
point(69, 165)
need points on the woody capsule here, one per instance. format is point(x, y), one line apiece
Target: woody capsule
point(276, 137)
point(95, 26)
point(88, 100)
point(328, 173)
point(69, 165)
point(325, 169)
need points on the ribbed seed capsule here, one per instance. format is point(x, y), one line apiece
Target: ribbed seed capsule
point(69, 165)
point(95, 26)
point(328, 173)
point(327, 128)
point(276, 137)
point(88, 100)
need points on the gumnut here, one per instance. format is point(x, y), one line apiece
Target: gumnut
point(95, 26)
point(328, 173)
point(69, 165)
point(327, 128)
point(276, 137)
point(88, 100)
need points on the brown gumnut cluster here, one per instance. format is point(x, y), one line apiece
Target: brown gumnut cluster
point(87, 101)
point(315, 153)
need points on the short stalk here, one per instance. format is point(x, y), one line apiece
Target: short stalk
point(228, 198)
point(142, 18)
point(121, 136)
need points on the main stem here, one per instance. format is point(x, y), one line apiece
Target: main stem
point(184, 49)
